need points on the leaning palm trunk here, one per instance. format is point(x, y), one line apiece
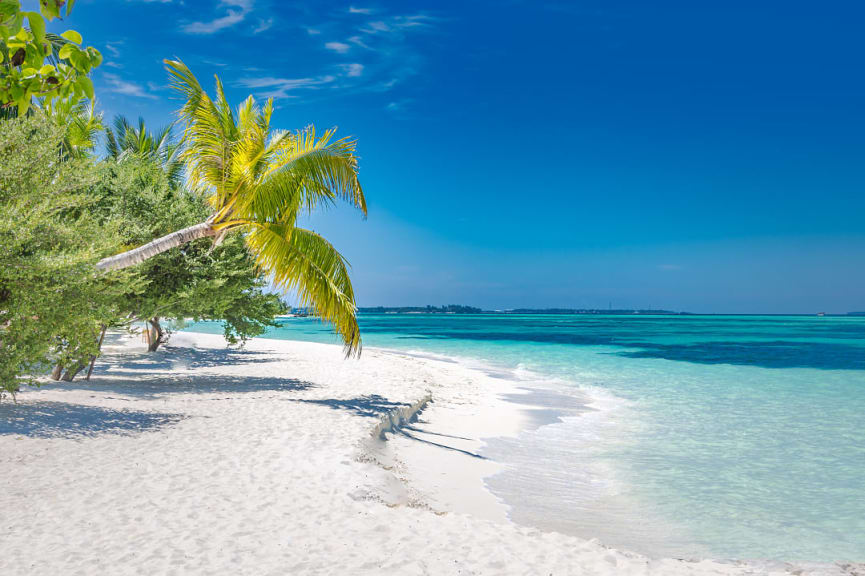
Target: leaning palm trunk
point(158, 246)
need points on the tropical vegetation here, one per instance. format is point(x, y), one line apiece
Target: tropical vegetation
point(115, 227)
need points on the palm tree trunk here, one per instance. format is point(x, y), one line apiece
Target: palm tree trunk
point(158, 246)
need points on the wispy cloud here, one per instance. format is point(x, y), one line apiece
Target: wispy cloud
point(353, 70)
point(120, 86)
point(338, 47)
point(112, 48)
point(372, 50)
point(235, 12)
point(263, 25)
point(376, 27)
point(271, 87)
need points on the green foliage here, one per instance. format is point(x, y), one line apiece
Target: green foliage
point(82, 125)
point(136, 198)
point(52, 302)
point(124, 139)
point(59, 213)
point(37, 64)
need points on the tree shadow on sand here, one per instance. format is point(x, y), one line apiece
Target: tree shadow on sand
point(169, 371)
point(371, 405)
point(58, 419)
point(131, 384)
point(170, 358)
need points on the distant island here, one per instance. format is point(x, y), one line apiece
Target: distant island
point(459, 309)
point(448, 309)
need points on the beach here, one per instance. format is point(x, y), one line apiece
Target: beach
point(281, 458)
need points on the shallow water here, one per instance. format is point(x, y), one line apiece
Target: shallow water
point(715, 436)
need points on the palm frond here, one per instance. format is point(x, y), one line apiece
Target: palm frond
point(81, 121)
point(259, 180)
point(301, 261)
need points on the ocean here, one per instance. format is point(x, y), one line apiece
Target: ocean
point(721, 436)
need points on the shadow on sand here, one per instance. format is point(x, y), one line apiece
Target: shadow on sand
point(371, 405)
point(58, 419)
point(142, 374)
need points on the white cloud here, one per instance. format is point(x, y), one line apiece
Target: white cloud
point(338, 47)
point(112, 47)
point(313, 31)
point(376, 27)
point(353, 10)
point(414, 20)
point(397, 106)
point(263, 25)
point(271, 87)
point(353, 70)
point(119, 86)
point(359, 41)
point(237, 11)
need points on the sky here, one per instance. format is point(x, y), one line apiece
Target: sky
point(696, 156)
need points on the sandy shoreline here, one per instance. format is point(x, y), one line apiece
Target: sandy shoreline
point(203, 460)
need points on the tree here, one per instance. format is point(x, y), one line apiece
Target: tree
point(257, 182)
point(36, 64)
point(81, 124)
point(136, 198)
point(125, 140)
point(52, 301)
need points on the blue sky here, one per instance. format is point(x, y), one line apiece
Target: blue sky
point(684, 155)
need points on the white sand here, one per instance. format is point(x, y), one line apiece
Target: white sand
point(207, 461)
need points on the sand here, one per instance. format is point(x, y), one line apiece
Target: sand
point(202, 460)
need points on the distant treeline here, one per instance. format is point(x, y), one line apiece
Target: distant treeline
point(449, 309)
point(458, 309)
point(582, 311)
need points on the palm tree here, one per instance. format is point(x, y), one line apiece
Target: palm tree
point(162, 147)
point(81, 122)
point(258, 181)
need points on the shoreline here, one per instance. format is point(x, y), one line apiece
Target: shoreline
point(198, 459)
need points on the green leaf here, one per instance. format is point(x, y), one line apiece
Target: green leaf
point(95, 56)
point(73, 36)
point(86, 85)
point(8, 8)
point(49, 9)
point(23, 105)
point(46, 70)
point(37, 26)
point(23, 35)
point(80, 61)
point(66, 51)
point(15, 24)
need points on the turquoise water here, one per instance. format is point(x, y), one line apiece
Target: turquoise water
point(738, 437)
